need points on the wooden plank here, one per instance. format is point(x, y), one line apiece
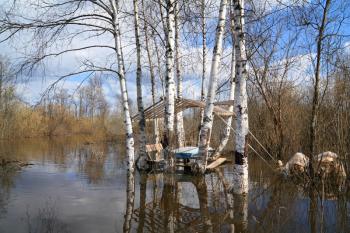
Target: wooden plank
point(216, 163)
point(157, 110)
point(154, 147)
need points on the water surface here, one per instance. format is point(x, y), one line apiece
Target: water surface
point(74, 186)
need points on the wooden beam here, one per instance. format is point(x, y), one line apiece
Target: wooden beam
point(216, 163)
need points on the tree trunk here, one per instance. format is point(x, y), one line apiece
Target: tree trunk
point(164, 22)
point(160, 74)
point(142, 122)
point(169, 79)
point(143, 196)
point(180, 131)
point(151, 70)
point(240, 173)
point(2, 74)
point(240, 210)
point(204, 57)
point(204, 136)
point(123, 89)
point(315, 100)
point(130, 195)
point(227, 129)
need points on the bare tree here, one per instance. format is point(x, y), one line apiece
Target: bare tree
point(271, 59)
point(142, 121)
point(151, 70)
point(227, 128)
point(180, 131)
point(204, 54)
point(130, 196)
point(69, 21)
point(316, 95)
point(169, 79)
point(240, 172)
point(206, 127)
point(123, 88)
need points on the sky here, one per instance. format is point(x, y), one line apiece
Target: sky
point(36, 84)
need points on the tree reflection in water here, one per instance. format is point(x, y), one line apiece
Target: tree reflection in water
point(47, 220)
point(180, 203)
point(184, 204)
point(163, 202)
point(7, 176)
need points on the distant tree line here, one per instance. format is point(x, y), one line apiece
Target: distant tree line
point(59, 113)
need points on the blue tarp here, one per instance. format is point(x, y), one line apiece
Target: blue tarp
point(186, 152)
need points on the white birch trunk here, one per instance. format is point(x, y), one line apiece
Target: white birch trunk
point(215, 66)
point(240, 173)
point(142, 122)
point(124, 93)
point(169, 79)
point(130, 196)
point(204, 58)
point(180, 131)
point(227, 129)
point(151, 69)
point(160, 72)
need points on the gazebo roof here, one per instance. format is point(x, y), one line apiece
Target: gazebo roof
point(157, 110)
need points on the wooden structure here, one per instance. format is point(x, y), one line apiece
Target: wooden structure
point(186, 156)
point(155, 152)
point(157, 110)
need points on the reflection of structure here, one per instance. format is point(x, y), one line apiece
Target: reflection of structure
point(184, 204)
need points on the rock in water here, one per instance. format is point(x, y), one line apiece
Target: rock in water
point(297, 164)
point(329, 164)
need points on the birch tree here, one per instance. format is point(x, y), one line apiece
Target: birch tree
point(169, 79)
point(228, 123)
point(130, 196)
point(142, 121)
point(206, 127)
point(204, 54)
point(50, 24)
point(240, 172)
point(180, 131)
point(122, 82)
point(151, 70)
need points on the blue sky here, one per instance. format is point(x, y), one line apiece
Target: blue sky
point(191, 56)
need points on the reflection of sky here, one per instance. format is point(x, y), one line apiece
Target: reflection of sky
point(83, 208)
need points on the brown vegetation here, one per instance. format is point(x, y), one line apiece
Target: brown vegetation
point(59, 114)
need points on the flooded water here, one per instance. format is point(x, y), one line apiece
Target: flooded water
point(75, 187)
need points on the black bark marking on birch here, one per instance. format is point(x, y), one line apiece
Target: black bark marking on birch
point(246, 146)
point(240, 109)
point(239, 158)
point(207, 119)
